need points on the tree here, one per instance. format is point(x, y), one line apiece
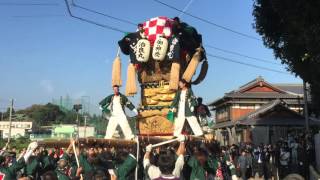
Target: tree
point(44, 114)
point(291, 29)
point(99, 122)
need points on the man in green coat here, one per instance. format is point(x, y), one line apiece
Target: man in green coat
point(9, 172)
point(124, 169)
point(203, 165)
point(113, 106)
point(183, 106)
point(63, 171)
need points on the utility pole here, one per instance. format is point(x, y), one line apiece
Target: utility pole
point(10, 120)
point(77, 108)
point(78, 126)
point(85, 126)
point(305, 98)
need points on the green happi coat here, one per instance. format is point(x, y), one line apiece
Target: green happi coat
point(191, 102)
point(32, 167)
point(124, 169)
point(72, 163)
point(61, 175)
point(9, 173)
point(84, 163)
point(106, 103)
point(199, 172)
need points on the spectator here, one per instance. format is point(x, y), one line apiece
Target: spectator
point(243, 164)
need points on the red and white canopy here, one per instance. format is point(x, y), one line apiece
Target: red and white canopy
point(157, 26)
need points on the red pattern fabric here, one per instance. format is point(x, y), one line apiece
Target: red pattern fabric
point(219, 173)
point(2, 176)
point(157, 26)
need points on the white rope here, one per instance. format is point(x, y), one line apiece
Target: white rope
point(76, 155)
point(164, 142)
point(118, 52)
point(138, 149)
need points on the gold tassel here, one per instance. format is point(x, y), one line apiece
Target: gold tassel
point(174, 76)
point(131, 87)
point(192, 67)
point(116, 71)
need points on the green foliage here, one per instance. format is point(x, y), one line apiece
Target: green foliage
point(49, 114)
point(18, 143)
point(291, 29)
point(44, 115)
point(99, 122)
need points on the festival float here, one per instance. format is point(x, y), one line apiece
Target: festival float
point(162, 51)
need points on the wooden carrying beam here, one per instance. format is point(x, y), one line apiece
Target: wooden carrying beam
point(120, 143)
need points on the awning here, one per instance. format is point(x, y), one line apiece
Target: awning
point(278, 122)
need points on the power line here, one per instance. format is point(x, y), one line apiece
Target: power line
point(28, 4)
point(208, 22)
point(214, 56)
point(242, 55)
point(208, 45)
point(246, 64)
point(90, 21)
point(185, 8)
point(103, 14)
point(37, 16)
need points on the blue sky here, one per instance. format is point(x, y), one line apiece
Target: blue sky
point(49, 54)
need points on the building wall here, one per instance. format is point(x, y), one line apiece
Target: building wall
point(90, 131)
point(73, 131)
point(235, 111)
point(239, 110)
point(18, 128)
point(222, 114)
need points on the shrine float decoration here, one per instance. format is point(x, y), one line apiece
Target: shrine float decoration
point(162, 51)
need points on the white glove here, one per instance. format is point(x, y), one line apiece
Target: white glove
point(149, 148)
point(32, 146)
point(111, 172)
point(234, 177)
point(181, 138)
point(100, 108)
point(135, 111)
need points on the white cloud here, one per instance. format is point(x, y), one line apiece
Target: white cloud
point(47, 86)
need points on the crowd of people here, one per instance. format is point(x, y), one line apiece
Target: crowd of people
point(287, 156)
point(185, 160)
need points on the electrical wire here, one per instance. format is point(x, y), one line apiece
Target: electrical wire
point(246, 64)
point(103, 14)
point(208, 22)
point(90, 21)
point(27, 4)
point(208, 45)
point(242, 55)
point(185, 8)
point(37, 16)
point(210, 55)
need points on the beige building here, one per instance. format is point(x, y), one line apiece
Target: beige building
point(18, 128)
point(70, 130)
point(87, 131)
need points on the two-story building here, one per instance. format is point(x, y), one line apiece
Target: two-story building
point(259, 112)
point(18, 129)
